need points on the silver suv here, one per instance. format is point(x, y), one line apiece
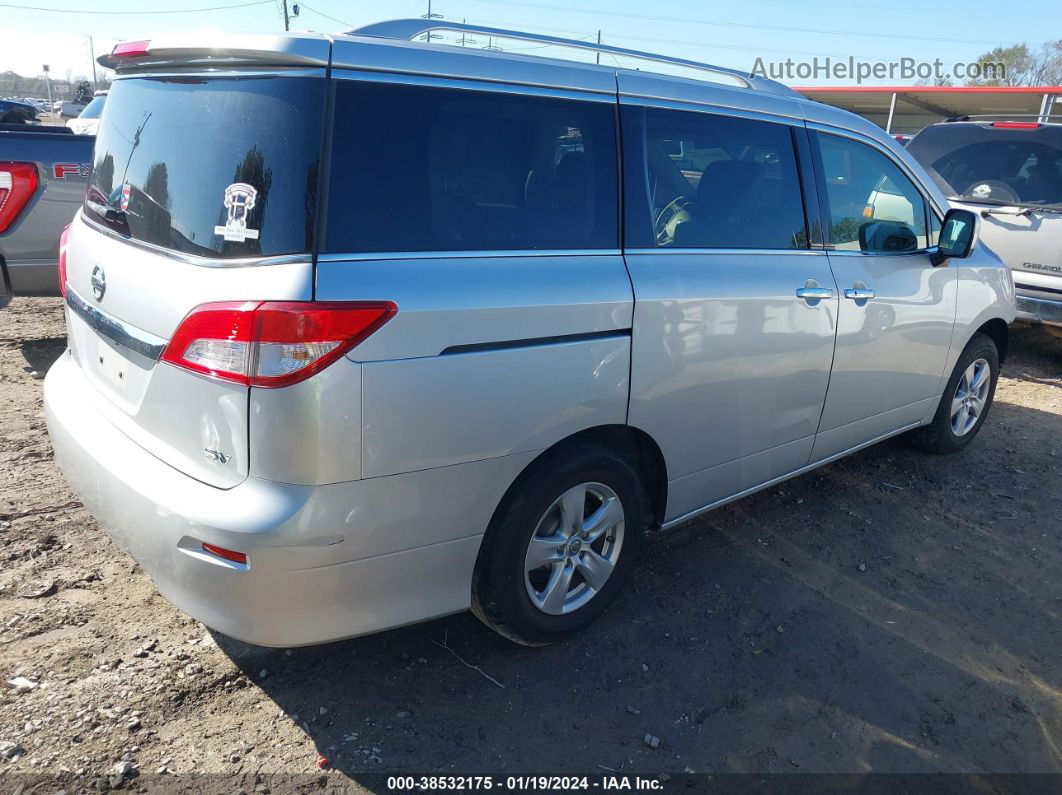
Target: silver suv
point(1010, 172)
point(364, 331)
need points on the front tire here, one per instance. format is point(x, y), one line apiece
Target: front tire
point(561, 545)
point(966, 400)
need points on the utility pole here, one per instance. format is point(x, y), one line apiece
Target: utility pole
point(92, 55)
point(464, 38)
point(287, 21)
point(430, 16)
point(599, 44)
point(48, 80)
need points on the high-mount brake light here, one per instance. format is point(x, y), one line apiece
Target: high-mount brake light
point(271, 343)
point(130, 49)
point(1016, 125)
point(18, 183)
point(62, 259)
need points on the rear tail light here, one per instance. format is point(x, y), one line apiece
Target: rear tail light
point(18, 183)
point(62, 259)
point(1016, 125)
point(271, 343)
point(130, 49)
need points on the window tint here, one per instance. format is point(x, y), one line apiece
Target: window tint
point(720, 182)
point(873, 206)
point(430, 169)
point(219, 167)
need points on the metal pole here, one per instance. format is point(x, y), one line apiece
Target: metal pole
point(48, 81)
point(429, 36)
point(1045, 109)
point(892, 111)
point(599, 44)
point(286, 20)
point(92, 55)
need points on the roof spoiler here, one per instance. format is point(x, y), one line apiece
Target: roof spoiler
point(225, 49)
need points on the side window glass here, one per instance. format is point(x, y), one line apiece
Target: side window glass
point(435, 169)
point(722, 182)
point(873, 205)
point(934, 228)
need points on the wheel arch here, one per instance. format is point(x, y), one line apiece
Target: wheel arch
point(998, 331)
point(633, 443)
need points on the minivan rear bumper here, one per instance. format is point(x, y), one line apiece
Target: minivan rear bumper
point(309, 578)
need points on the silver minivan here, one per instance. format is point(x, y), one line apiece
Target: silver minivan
point(365, 330)
point(1010, 173)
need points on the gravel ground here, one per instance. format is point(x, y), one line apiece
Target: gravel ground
point(892, 612)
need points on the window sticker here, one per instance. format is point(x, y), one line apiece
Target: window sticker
point(239, 201)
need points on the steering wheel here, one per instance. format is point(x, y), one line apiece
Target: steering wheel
point(663, 235)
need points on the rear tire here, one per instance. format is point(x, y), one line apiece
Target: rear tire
point(966, 400)
point(560, 545)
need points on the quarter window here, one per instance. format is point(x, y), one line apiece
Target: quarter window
point(873, 205)
point(435, 169)
point(719, 182)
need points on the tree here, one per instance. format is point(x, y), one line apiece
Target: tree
point(936, 81)
point(157, 185)
point(1022, 65)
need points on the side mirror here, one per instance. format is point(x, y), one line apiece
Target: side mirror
point(958, 234)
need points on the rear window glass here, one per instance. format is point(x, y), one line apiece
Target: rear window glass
point(993, 165)
point(218, 167)
point(431, 169)
point(94, 108)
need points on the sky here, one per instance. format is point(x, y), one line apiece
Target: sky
point(730, 34)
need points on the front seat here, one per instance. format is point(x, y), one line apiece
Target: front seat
point(724, 212)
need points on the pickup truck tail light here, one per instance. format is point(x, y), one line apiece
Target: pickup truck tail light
point(18, 183)
point(62, 259)
point(271, 343)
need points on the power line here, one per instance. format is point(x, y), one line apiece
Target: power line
point(587, 36)
point(315, 11)
point(124, 13)
point(720, 23)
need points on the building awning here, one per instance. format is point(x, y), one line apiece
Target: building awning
point(907, 109)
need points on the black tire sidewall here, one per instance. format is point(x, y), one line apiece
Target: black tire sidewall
point(499, 593)
point(980, 347)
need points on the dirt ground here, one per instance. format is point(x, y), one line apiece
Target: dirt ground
point(892, 612)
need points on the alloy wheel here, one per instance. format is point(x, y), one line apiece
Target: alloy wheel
point(971, 393)
point(574, 549)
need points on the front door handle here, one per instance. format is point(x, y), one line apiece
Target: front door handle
point(814, 293)
point(859, 293)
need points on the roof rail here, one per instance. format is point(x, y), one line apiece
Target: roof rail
point(1003, 116)
point(409, 29)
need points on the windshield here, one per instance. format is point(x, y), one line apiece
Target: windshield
point(93, 109)
point(994, 165)
point(219, 167)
